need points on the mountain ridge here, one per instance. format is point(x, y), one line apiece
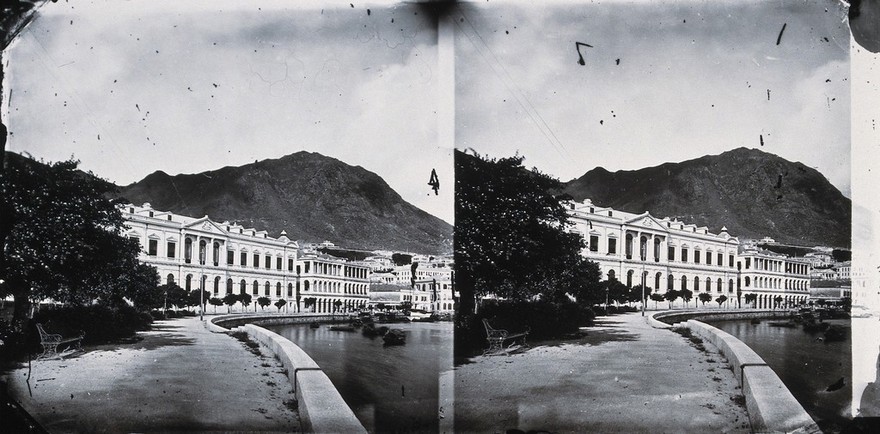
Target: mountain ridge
point(751, 192)
point(311, 196)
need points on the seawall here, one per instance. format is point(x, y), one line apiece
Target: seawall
point(771, 406)
point(321, 407)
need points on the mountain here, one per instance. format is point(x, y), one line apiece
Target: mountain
point(311, 196)
point(751, 192)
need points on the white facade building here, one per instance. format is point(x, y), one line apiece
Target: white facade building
point(226, 258)
point(664, 253)
point(769, 275)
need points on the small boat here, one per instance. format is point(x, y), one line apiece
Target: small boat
point(395, 337)
point(314, 324)
point(342, 328)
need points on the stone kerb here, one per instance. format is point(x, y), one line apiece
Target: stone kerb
point(771, 406)
point(222, 323)
point(321, 408)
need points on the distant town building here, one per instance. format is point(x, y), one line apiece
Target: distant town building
point(225, 258)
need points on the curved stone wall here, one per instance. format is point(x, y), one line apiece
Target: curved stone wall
point(321, 407)
point(771, 406)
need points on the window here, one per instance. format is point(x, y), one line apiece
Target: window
point(670, 253)
point(696, 256)
point(708, 258)
point(278, 289)
point(242, 286)
point(611, 275)
point(153, 247)
point(629, 278)
point(696, 284)
point(189, 278)
point(669, 281)
point(268, 262)
point(290, 265)
point(748, 263)
point(256, 260)
point(278, 265)
point(684, 254)
point(170, 279)
point(307, 267)
point(216, 286)
point(187, 250)
point(657, 281)
point(612, 246)
point(266, 289)
point(720, 259)
point(203, 250)
point(256, 288)
point(290, 290)
point(730, 260)
point(229, 286)
point(171, 249)
point(215, 254)
point(243, 259)
point(729, 285)
point(230, 257)
point(594, 243)
point(684, 283)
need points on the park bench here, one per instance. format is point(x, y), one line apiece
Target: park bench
point(496, 337)
point(50, 342)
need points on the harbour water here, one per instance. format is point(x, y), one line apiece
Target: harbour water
point(390, 388)
point(810, 367)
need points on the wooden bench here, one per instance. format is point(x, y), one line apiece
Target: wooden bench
point(496, 337)
point(50, 342)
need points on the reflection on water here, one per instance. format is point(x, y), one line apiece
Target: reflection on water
point(392, 388)
point(806, 365)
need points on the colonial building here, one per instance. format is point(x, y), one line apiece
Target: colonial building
point(669, 254)
point(770, 275)
point(225, 258)
point(663, 253)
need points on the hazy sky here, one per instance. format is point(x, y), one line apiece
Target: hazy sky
point(133, 87)
point(663, 81)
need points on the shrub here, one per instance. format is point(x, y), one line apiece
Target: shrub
point(100, 323)
point(545, 319)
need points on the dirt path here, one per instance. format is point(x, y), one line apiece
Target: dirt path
point(623, 377)
point(180, 377)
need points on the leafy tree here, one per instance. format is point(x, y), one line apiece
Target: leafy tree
point(670, 296)
point(245, 300)
point(380, 306)
point(721, 299)
point(751, 298)
point(263, 302)
point(144, 290)
point(176, 296)
point(406, 306)
point(400, 259)
point(280, 303)
point(511, 238)
point(230, 299)
point(60, 237)
point(634, 295)
point(687, 295)
point(656, 298)
point(617, 292)
point(336, 305)
point(214, 301)
point(308, 302)
point(196, 298)
point(705, 297)
point(777, 300)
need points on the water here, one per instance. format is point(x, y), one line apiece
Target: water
point(806, 365)
point(390, 389)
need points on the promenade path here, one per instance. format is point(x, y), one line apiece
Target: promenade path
point(180, 377)
point(624, 376)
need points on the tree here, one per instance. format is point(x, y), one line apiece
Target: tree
point(280, 303)
point(634, 295)
point(336, 305)
point(380, 306)
point(511, 238)
point(705, 297)
point(670, 296)
point(195, 298)
point(400, 259)
point(656, 298)
point(144, 291)
point(60, 237)
point(777, 301)
point(309, 302)
point(687, 295)
point(214, 301)
point(245, 300)
point(751, 298)
point(406, 306)
point(175, 295)
point(721, 299)
point(263, 302)
point(229, 300)
point(617, 292)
